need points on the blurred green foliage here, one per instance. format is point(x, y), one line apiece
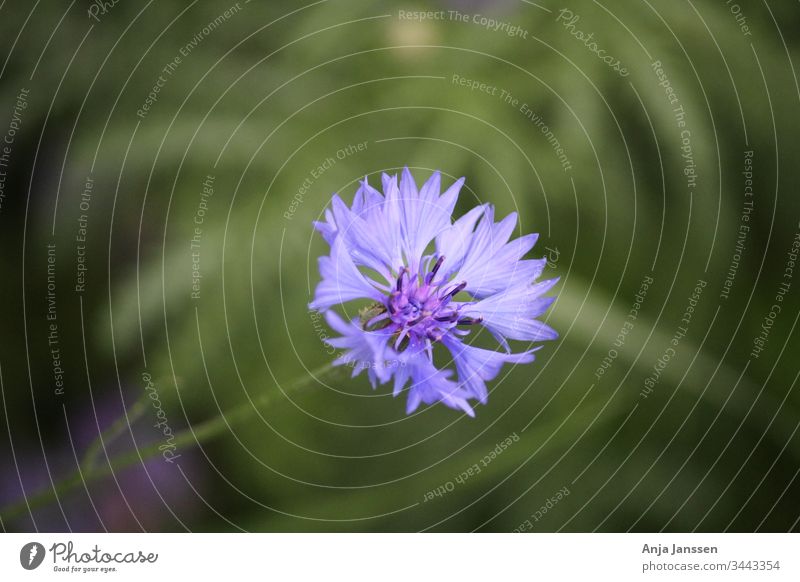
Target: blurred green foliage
point(278, 88)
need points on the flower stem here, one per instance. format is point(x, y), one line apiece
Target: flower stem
point(89, 470)
point(108, 436)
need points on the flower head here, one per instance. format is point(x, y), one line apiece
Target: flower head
point(428, 281)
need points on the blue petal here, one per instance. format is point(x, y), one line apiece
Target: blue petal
point(477, 366)
point(430, 385)
point(362, 240)
point(367, 200)
point(425, 213)
point(390, 221)
point(328, 228)
point(511, 314)
point(492, 264)
point(365, 349)
point(341, 280)
point(454, 242)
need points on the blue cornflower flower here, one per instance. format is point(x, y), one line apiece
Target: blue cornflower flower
point(428, 281)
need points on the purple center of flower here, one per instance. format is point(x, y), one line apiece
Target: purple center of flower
point(422, 305)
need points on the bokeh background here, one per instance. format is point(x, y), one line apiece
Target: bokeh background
point(260, 96)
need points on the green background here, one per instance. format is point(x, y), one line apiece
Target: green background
point(260, 102)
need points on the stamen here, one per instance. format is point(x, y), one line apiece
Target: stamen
point(403, 271)
point(419, 306)
point(450, 317)
point(455, 290)
point(429, 277)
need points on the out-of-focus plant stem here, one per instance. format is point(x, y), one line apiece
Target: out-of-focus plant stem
point(90, 470)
